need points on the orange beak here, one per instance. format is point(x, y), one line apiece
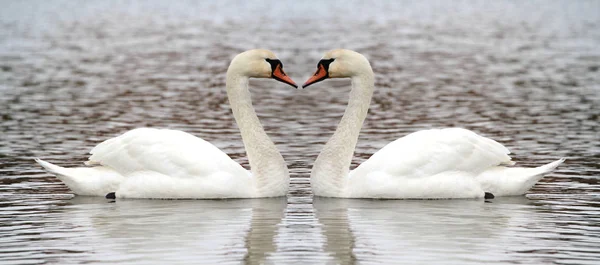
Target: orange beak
point(319, 76)
point(280, 76)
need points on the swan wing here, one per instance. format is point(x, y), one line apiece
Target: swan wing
point(431, 152)
point(168, 152)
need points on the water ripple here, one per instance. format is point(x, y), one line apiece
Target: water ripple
point(74, 74)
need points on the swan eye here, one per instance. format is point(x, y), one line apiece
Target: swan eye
point(274, 63)
point(325, 63)
point(321, 74)
point(278, 74)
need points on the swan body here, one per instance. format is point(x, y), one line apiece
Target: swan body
point(162, 163)
point(428, 164)
point(166, 163)
point(441, 163)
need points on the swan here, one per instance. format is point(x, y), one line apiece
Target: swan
point(172, 164)
point(429, 164)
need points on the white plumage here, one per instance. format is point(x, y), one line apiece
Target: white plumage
point(158, 163)
point(162, 163)
point(170, 152)
point(429, 164)
point(442, 163)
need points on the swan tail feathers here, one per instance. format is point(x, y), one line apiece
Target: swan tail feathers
point(508, 163)
point(547, 168)
point(92, 181)
point(533, 175)
point(514, 181)
point(91, 163)
point(54, 169)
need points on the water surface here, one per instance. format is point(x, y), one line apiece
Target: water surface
point(74, 74)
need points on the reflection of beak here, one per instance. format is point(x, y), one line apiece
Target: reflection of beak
point(280, 76)
point(319, 76)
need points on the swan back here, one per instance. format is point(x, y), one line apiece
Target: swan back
point(170, 152)
point(430, 152)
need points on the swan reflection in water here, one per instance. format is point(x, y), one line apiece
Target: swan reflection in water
point(396, 231)
point(174, 231)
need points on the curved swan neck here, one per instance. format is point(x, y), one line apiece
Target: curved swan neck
point(266, 163)
point(330, 171)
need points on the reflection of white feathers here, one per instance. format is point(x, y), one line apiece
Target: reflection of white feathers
point(173, 231)
point(430, 231)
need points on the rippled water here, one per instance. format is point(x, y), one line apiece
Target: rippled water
point(73, 74)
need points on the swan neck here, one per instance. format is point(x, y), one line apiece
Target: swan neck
point(330, 171)
point(266, 163)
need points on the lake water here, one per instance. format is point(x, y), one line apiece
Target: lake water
point(74, 73)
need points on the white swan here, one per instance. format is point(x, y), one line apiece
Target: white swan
point(161, 163)
point(433, 164)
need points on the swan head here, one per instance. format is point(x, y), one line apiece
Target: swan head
point(340, 63)
point(259, 63)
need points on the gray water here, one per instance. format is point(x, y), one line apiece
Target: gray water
point(74, 73)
